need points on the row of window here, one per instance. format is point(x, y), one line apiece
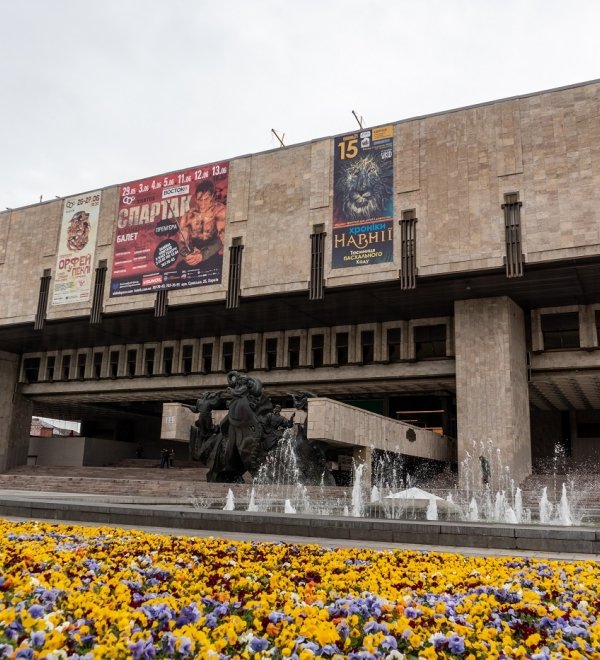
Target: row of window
point(561, 330)
point(329, 347)
point(315, 348)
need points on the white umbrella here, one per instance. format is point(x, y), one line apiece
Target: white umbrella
point(417, 498)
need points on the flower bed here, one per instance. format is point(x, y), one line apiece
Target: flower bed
point(77, 592)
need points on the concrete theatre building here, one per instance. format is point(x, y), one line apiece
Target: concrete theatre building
point(443, 271)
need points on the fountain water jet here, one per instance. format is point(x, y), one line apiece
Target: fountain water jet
point(230, 502)
point(357, 494)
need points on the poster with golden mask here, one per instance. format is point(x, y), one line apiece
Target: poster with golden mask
point(76, 248)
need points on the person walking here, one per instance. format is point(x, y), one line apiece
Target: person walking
point(164, 458)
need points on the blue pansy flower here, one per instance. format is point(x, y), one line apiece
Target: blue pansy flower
point(456, 644)
point(258, 644)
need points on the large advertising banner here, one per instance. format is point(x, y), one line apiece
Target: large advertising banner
point(363, 202)
point(170, 231)
point(76, 247)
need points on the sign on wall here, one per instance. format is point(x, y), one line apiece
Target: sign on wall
point(76, 247)
point(363, 202)
point(170, 231)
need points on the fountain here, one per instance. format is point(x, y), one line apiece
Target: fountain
point(289, 473)
point(278, 487)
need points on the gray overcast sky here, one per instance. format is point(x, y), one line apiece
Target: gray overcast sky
point(102, 92)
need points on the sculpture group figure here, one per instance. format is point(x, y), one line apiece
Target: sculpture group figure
point(250, 432)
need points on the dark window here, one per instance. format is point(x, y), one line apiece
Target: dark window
point(293, 352)
point(512, 231)
point(98, 365)
point(227, 356)
point(317, 260)
point(81, 360)
point(66, 367)
point(149, 355)
point(207, 356)
point(317, 347)
point(40, 315)
point(31, 369)
point(168, 360)
point(393, 344)
point(131, 360)
point(271, 351)
point(114, 364)
point(408, 250)
point(560, 330)
point(341, 348)
point(96, 312)
point(249, 351)
point(430, 341)
point(588, 430)
point(235, 273)
point(50, 362)
point(367, 346)
point(187, 358)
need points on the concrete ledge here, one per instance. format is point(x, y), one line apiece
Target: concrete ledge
point(574, 540)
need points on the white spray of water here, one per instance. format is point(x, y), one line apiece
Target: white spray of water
point(545, 507)
point(357, 496)
point(252, 506)
point(230, 502)
point(432, 511)
point(564, 510)
point(473, 510)
point(519, 506)
point(375, 496)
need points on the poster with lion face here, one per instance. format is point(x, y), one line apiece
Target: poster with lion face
point(363, 200)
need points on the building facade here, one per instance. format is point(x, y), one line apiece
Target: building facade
point(442, 270)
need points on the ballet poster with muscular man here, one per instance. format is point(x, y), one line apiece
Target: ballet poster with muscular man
point(170, 231)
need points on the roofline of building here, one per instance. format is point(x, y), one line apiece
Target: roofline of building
point(320, 139)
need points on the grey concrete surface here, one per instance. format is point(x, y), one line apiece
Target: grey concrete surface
point(177, 518)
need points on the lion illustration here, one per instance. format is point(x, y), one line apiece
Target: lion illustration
point(363, 188)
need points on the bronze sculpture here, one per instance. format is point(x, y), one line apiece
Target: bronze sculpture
point(251, 431)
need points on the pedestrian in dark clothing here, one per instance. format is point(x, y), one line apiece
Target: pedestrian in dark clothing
point(164, 458)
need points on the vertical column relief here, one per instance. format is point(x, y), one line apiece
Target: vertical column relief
point(238, 197)
point(508, 145)
point(5, 218)
point(320, 174)
point(407, 157)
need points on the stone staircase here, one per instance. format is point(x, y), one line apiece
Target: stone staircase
point(143, 478)
point(583, 492)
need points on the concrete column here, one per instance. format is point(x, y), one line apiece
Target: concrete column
point(492, 392)
point(15, 415)
point(587, 327)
